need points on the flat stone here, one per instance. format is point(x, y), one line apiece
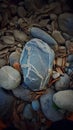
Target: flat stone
point(8, 39)
point(22, 93)
point(58, 37)
point(62, 83)
point(65, 22)
point(48, 108)
point(9, 77)
point(20, 36)
point(64, 99)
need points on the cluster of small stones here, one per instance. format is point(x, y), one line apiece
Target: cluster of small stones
point(16, 19)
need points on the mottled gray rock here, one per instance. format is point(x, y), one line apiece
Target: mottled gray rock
point(62, 83)
point(48, 108)
point(9, 77)
point(65, 21)
point(64, 99)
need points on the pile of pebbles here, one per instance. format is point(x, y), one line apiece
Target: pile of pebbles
point(20, 23)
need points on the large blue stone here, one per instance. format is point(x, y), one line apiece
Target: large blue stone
point(36, 63)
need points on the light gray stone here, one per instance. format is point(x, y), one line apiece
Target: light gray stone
point(64, 99)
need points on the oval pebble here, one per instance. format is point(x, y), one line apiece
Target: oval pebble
point(41, 34)
point(64, 99)
point(22, 93)
point(20, 36)
point(62, 83)
point(47, 107)
point(8, 39)
point(35, 105)
point(9, 77)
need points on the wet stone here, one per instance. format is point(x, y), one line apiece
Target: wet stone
point(9, 77)
point(48, 108)
point(64, 99)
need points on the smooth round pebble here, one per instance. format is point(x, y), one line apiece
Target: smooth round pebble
point(9, 77)
point(62, 83)
point(48, 108)
point(35, 105)
point(64, 99)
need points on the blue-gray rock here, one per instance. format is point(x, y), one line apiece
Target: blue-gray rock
point(22, 93)
point(70, 58)
point(14, 58)
point(27, 112)
point(48, 108)
point(35, 105)
point(9, 77)
point(62, 83)
point(69, 69)
point(64, 99)
point(65, 22)
point(36, 63)
point(6, 103)
point(41, 34)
